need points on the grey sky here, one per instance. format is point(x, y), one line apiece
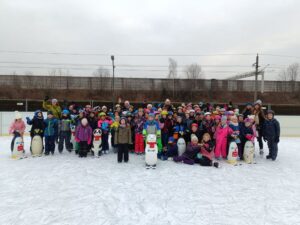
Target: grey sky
point(191, 27)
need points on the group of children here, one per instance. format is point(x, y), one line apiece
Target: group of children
point(206, 129)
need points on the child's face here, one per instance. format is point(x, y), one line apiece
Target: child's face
point(123, 122)
point(247, 124)
point(150, 118)
point(179, 110)
point(194, 141)
point(241, 119)
point(223, 122)
point(50, 116)
point(117, 119)
point(194, 129)
point(217, 121)
point(179, 119)
point(39, 114)
point(140, 113)
point(102, 117)
point(270, 116)
point(208, 117)
point(234, 120)
point(206, 138)
point(164, 116)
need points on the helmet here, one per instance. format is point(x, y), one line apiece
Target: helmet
point(65, 112)
point(164, 112)
point(102, 114)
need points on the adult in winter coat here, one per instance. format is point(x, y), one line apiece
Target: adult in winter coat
point(271, 131)
point(53, 107)
point(123, 139)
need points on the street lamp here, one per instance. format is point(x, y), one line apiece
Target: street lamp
point(113, 81)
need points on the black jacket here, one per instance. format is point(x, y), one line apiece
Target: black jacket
point(271, 129)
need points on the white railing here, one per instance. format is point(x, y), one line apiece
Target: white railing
point(290, 125)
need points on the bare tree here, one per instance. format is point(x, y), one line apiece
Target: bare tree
point(102, 74)
point(290, 74)
point(194, 71)
point(29, 79)
point(172, 72)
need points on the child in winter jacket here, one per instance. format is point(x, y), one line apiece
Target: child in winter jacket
point(123, 139)
point(83, 136)
point(179, 129)
point(222, 134)
point(17, 128)
point(51, 132)
point(235, 136)
point(64, 131)
point(246, 132)
point(37, 124)
point(194, 131)
point(205, 157)
point(104, 125)
point(192, 149)
point(113, 127)
point(139, 122)
point(271, 132)
point(166, 125)
point(209, 125)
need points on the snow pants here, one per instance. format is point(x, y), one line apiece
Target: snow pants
point(64, 137)
point(273, 148)
point(104, 137)
point(123, 152)
point(184, 160)
point(204, 161)
point(139, 143)
point(83, 149)
point(49, 144)
point(221, 148)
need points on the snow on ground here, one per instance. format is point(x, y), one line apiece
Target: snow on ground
point(66, 190)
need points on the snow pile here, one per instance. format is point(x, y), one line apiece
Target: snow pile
point(66, 190)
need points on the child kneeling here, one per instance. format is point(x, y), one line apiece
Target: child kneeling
point(204, 158)
point(123, 139)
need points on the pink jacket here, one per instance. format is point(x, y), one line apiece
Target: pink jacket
point(223, 132)
point(17, 126)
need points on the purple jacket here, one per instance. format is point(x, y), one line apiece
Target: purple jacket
point(83, 133)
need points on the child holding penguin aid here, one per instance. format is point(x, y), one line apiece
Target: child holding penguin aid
point(205, 157)
point(123, 138)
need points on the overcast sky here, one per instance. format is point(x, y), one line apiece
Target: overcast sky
point(135, 27)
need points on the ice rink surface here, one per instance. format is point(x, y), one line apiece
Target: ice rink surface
point(66, 190)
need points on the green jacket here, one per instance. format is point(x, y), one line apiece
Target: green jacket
point(55, 109)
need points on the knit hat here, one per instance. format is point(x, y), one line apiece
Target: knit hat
point(207, 114)
point(194, 125)
point(258, 102)
point(247, 120)
point(102, 114)
point(54, 100)
point(18, 115)
point(194, 138)
point(151, 115)
point(217, 117)
point(271, 112)
point(164, 112)
point(171, 140)
point(49, 113)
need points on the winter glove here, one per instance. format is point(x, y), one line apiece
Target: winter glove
point(199, 155)
point(277, 139)
point(28, 119)
point(46, 98)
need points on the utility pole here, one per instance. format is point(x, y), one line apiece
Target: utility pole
point(113, 82)
point(256, 75)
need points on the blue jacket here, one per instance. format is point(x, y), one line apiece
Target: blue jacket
point(51, 128)
point(271, 128)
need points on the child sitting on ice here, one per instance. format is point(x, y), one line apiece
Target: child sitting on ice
point(171, 151)
point(192, 149)
point(205, 157)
